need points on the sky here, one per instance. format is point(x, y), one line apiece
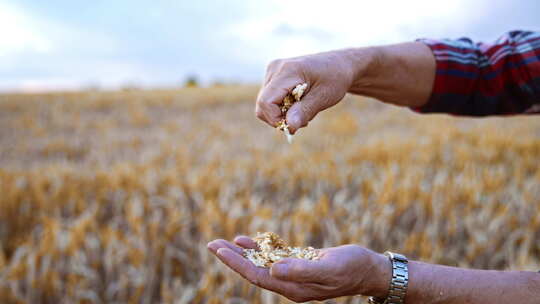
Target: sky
point(69, 44)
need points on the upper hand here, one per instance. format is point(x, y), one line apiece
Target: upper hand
point(340, 271)
point(328, 75)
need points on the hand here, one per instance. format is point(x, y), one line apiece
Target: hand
point(401, 74)
point(340, 271)
point(328, 75)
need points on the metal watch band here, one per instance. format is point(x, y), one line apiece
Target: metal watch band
point(399, 282)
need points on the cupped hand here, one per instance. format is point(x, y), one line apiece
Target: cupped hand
point(328, 75)
point(340, 271)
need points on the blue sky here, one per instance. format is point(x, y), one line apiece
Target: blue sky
point(61, 44)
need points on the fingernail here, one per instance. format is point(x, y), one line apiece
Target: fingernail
point(220, 251)
point(280, 270)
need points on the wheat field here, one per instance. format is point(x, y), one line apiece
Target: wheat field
point(111, 197)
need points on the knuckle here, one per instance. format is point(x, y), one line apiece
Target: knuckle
point(266, 102)
point(259, 113)
point(285, 65)
point(264, 99)
point(273, 64)
point(289, 65)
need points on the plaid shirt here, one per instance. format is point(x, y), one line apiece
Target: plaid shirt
point(478, 79)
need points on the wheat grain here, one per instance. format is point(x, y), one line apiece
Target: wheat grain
point(290, 99)
point(272, 249)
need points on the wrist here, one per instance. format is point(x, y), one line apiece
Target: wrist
point(401, 74)
point(365, 63)
point(379, 278)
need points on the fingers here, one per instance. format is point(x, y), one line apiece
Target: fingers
point(316, 100)
point(231, 256)
point(271, 97)
point(215, 245)
point(268, 112)
point(245, 242)
point(296, 270)
point(299, 270)
point(256, 275)
point(301, 113)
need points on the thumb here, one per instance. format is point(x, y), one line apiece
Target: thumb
point(297, 270)
point(302, 112)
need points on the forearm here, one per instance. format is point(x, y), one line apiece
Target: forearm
point(400, 74)
point(437, 284)
point(442, 284)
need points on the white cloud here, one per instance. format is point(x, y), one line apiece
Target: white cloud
point(37, 53)
point(19, 33)
point(292, 28)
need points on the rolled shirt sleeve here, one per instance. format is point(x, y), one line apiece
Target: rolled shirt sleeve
point(479, 79)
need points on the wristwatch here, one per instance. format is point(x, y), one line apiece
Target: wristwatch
point(399, 282)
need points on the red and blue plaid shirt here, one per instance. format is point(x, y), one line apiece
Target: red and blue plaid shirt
point(478, 79)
